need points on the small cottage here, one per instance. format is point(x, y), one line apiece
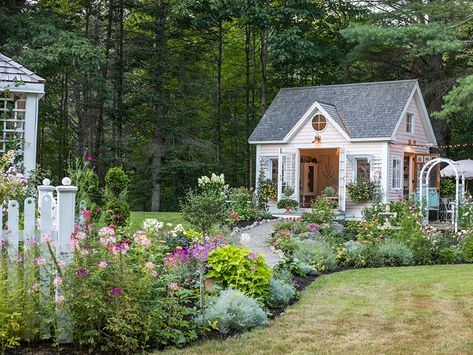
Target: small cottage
point(311, 138)
point(20, 92)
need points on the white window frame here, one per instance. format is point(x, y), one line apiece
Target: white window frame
point(412, 123)
point(399, 178)
point(355, 167)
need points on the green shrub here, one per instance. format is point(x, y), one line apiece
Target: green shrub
point(239, 268)
point(391, 253)
point(116, 181)
point(204, 208)
point(318, 254)
point(450, 255)
point(117, 213)
point(233, 311)
point(281, 292)
point(447, 187)
point(321, 212)
point(287, 203)
point(354, 254)
point(467, 247)
point(362, 190)
point(294, 267)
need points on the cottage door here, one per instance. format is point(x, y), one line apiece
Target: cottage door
point(287, 173)
point(342, 175)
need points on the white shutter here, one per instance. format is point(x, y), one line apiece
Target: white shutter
point(287, 172)
point(342, 175)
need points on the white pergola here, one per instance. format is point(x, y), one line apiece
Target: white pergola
point(20, 92)
point(425, 181)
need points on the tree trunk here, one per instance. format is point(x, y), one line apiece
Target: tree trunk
point(99, 137)
point(247, 103)
point(218, 100)
point(264, 59)
point(158, 139)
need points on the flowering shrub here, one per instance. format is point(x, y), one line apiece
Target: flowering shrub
point(352, 253)
point(244, 204)
point(465, 213)
point(362, 190)
point(282, 240)
point(13, 184)
point(321, 212)
point(317, 254)
point(117, 210)
point(239, 268)
point(214, 183)
point(117, 296)
point(267, 190)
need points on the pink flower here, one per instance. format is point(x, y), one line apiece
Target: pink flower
point(57, 281)
point(60, 300)
point(79, 235)
point(75, 244)
point(120, 249)
point(253, 256)
point(46, 239)
point(117, 291)
point(413, 207)
point(89, 158)
point(39, 261)
point(107, 231)
point(173, 286)
point(82, 272)
point(150, 265)
point(142, 239)
point(103, 264)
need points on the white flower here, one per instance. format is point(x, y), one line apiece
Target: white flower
point(152, 225)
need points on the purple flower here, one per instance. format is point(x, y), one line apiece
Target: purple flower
point(117, 291)
point(413, 207)
point(82, 272)
point(313, 227)
point(253, 256)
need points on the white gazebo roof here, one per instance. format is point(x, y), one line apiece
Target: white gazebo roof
point(17, 78)
point(13, 71)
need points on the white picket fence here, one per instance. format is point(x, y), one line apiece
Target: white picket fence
point(55, 217)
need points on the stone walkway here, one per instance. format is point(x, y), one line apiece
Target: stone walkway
point(257, 241)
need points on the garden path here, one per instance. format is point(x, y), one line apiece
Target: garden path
point(257, 241)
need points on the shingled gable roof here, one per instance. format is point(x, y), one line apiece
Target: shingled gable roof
point(364, 110)
point(11, 71)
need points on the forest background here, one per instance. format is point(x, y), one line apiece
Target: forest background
point(172, 89)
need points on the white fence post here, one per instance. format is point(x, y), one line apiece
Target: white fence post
point(13, 232)
point(66, 198)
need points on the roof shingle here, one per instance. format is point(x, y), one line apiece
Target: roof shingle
point(364, 110)
point(11, 71)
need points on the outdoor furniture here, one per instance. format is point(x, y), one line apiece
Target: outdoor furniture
point(433, 200)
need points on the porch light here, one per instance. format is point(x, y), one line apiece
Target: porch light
point(317, 139)
point(411, 142)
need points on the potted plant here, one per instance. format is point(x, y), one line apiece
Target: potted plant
point(362, 190)
point(330, 191)
point(447, 187)
point(288, 203)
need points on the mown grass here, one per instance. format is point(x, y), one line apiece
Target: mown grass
point(424, 310)
point(137, 218)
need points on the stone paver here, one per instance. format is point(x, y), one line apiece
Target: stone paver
point(257, 241)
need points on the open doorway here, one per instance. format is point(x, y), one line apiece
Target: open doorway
point(318, 175)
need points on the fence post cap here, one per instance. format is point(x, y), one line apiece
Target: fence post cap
point(46, 182)
point(66, 181)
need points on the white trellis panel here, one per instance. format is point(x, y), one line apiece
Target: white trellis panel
point(287, 172)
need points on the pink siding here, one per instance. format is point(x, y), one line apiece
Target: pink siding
point(399, 145)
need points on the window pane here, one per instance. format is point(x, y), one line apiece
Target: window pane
point(362, 169)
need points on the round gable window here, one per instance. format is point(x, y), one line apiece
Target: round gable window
point(319, 122)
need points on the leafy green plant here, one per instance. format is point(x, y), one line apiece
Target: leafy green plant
point(233, 311)
point(288, 191)
point(467, 247)
point(239, 268)
point(447, 187)
point(321, 212)
point(287, 203)
point(116, 181)
point(354, 254)
point(318, 254)
point(117, 213)
point(330, 191)
point(268, 191)
point(449, 255)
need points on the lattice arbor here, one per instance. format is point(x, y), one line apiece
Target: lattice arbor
point(425, 184)
point(20, 91)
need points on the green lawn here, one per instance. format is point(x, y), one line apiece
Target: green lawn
point(426, 309)
point(137, 218)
